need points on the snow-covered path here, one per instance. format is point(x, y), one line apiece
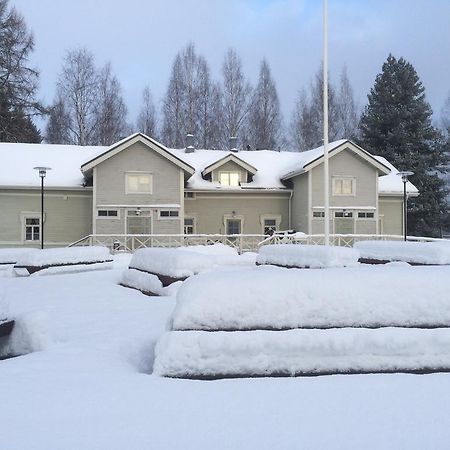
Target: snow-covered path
point(91, 388)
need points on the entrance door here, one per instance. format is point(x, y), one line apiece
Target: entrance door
point(233, 226)
point(139, 225)
point(344, 223)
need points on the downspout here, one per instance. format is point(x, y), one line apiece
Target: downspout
point(290, 209)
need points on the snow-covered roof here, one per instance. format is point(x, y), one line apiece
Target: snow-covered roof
point(272, 167)
point(18, 160)
point(392, 184)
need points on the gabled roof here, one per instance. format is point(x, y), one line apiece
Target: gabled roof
point(130, 140)
point(334, 149)
point(233, 158)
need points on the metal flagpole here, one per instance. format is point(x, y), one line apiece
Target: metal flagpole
point(326, 184)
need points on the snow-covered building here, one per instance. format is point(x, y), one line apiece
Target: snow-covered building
point(138, 186)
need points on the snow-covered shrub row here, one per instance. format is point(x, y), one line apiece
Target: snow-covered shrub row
point(437, 252)
point(276, 298)
point(265, 353)
point(28, 335)
point(11, 255)
point(147, 283)
point(312, 256)
point(184, 262)
point(66, 255)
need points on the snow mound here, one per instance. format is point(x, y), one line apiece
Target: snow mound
point(28, 335)
point(11, 255)
point(263, 353)
point(170, 262)
point(277, 298)
point(142, 281)
point(437, 252)
point(67, 255)
point(311, 256)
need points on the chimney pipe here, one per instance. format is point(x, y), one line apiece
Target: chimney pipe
point(190, 148)
point(233, 144)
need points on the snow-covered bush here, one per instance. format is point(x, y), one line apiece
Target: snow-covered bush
point(277, 298)
point(311, 256)
point(11, 255)
point(437, 252)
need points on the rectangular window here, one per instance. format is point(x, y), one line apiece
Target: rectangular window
point(233, 226)
point(189, 225)
point(32, 229)
point(366, 215)
point(343, 214)
point(168, 213)
point(229, 178)
point(270, 226)
point(138, 183)
point(343, 186)
point(108, 213)
point(189, 194)
point(318, 214)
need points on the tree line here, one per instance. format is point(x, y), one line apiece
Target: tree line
point(89, 109)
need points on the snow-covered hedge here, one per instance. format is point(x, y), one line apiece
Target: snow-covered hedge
point(147, 283)
point(11, 255)
point(437, 252)
point(67, 255)
point(264, 353)
point(277, 298)
point(312, 256)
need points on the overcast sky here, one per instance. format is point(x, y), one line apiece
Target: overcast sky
point(142, 37)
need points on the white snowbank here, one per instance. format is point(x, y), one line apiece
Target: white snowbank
point(67, 255)
point(265, 353)
point(277, 298)
point(312, 256)
point(170, 261)
point(28, 335)
point(415, 252)
point(11, 255)
point(142, 281)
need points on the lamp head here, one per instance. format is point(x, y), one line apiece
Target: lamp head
point(42, 170)
point(405, 174)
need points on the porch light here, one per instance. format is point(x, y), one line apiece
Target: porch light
point(405, 174)
point(42, 174)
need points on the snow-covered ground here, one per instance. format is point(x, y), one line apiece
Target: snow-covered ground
point(91, 387)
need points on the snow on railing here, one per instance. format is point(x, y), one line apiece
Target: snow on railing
point(241, 242)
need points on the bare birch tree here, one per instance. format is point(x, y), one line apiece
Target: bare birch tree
point(264, 124)
point(147, 121)
point(58, 125)
point(348, 117)
point(236, 98)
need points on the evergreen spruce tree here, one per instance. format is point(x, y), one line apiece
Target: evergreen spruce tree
point(396, 124)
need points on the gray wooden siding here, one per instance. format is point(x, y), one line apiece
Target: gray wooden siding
point(346, 163)
point(300, 203)
point(210, 208)
point(67, 215)
point(391, 215)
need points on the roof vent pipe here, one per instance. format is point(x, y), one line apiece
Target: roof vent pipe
point(190, 148)
point(233, 144)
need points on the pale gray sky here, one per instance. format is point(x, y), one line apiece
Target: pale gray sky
point(141, 38)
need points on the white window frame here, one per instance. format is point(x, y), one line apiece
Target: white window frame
point(335, 179)
point(229, 172)
point(129, 174)
point(365, 218)
point(26, 216)
point(108, 216)
point(194, 224)
point(233, 217)
point(322, 215)
point(275, 217)
point(169, 217)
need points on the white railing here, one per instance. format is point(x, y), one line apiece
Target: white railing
point(131, 242)
point(241, 242)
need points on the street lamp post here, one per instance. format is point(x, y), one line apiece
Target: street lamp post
point(42, 173)
point(405, 175)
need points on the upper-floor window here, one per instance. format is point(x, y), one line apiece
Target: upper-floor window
point(229, 178)
point(189, 194)
point(138, 183)
point(344, 186)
